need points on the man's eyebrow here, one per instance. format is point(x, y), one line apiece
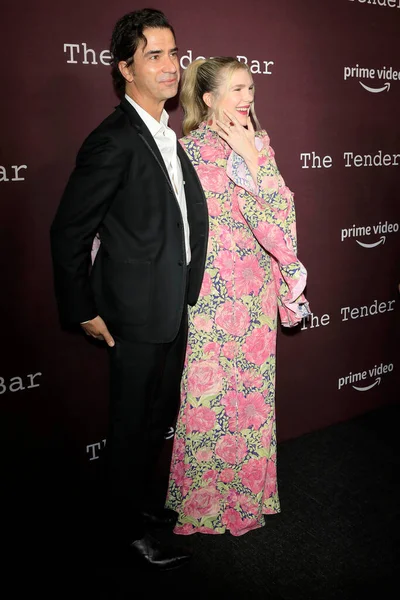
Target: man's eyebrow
point(153, 52)
point(157, 52)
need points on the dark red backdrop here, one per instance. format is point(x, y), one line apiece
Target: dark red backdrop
point(315, 102)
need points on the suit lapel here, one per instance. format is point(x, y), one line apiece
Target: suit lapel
point(193, 186)
point(145, 135)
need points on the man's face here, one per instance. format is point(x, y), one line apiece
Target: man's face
point(155, 67)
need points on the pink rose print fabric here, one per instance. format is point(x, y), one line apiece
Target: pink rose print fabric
point(223, 469)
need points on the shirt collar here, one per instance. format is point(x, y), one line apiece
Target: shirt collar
point(151, 123)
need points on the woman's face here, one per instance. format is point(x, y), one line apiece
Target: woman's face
point(235, 94)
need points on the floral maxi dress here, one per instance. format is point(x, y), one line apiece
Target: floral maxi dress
point(223, 469)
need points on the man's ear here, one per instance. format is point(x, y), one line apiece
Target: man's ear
point(126, 70)
point(207, 99)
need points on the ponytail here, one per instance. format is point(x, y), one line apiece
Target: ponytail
point(191, 98)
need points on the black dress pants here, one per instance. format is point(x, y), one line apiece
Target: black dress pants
point(144, 401)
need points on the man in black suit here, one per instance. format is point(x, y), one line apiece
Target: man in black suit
point(135, 187)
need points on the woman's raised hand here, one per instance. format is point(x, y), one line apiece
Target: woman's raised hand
point(240, 139)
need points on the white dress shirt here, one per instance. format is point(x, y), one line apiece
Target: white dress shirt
point(165, 138)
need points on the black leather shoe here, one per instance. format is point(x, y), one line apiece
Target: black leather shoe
point(160, 518)
point(151, 552)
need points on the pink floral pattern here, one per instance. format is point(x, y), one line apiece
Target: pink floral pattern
point(223, 470)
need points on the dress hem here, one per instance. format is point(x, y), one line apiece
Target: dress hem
point(238, 533)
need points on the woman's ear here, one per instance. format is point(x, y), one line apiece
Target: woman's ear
point(207, 99)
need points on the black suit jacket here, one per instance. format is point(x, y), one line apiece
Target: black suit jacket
point(120, 188)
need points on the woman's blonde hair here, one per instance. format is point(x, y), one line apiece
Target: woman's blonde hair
point(205, 75)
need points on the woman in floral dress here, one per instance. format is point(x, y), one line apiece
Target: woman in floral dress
point(223, 469)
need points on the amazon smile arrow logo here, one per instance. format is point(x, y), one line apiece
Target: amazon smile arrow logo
point(375, 90)
point(368, 387)
point(381, 241)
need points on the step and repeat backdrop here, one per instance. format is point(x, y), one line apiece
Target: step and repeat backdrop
point(327, 78)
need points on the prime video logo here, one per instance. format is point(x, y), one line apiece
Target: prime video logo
point(381, 75)
point(357, 231)
point(358, 378)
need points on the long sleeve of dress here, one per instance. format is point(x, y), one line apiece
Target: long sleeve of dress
point(268, 208)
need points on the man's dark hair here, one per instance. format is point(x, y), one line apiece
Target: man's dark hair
point(127, 34)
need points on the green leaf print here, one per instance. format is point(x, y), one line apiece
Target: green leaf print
point(190, 520)
point(263, 452)
point(265, 320)
point(213, 272)
point(208, 522)
point(192, 400)
point(248, 300)
point(206, 400)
